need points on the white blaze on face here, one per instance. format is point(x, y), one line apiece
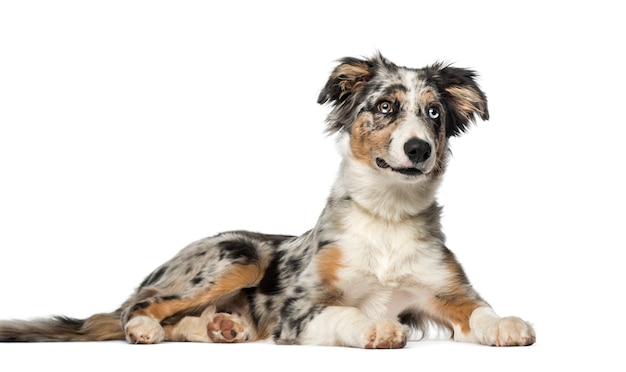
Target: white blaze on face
point(412, 126)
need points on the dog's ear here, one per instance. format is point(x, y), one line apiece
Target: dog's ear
point(342, 88)
point(345, 80)
point(463, 98)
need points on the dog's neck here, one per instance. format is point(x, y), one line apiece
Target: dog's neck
point(381, 195)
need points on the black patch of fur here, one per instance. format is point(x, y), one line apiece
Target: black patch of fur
point(294, 264)
point(154, 277)
point(238, 250)
point(197, 280)
point(394, 88)
point(251, 296)
point(296, 315)
point(70, 324)
point(416, 320)
point(444, 76)
point(408, 318)
point(323, 244)
point(139, 306)
point(270, 284)
point(168, 298)
point(272, 239)
point(276, 240)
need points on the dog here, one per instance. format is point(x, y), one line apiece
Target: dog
point(375, 266)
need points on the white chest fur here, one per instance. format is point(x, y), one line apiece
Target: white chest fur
point(388, 266)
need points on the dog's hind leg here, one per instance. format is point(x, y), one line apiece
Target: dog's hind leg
point(229, 322)
point(143, 319)
point(211, 326)
point(215, 271)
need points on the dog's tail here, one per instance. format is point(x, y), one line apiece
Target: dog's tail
point(99, 327)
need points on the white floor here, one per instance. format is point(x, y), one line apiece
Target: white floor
point(417, 356)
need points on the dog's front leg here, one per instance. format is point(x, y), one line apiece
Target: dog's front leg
point(487, 328)
point(348, 326)
point(473, 320)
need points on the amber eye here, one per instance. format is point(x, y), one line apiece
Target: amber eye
point(385, 107)
point(433, 113)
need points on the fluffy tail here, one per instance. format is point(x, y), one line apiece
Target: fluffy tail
point(99, 327)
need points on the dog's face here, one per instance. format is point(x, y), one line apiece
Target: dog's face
point(399, 119)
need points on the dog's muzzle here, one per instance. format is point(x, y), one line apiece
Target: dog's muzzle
point(417, 151)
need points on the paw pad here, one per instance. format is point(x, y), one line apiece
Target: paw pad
point(226, 328)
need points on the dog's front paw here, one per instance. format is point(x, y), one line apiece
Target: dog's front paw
point(509, 331)
point(386, 334)
point(144, 330)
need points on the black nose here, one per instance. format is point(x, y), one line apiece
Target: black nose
point(417, 150)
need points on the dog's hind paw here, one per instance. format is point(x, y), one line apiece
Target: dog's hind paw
point(144, 330)
point(227, 328)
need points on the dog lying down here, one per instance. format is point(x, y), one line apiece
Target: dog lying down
point(374, 266)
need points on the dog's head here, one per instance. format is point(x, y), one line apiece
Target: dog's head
point(399, 119)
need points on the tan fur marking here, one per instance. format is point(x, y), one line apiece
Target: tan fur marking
point(365, 142)
point(467, 101)
point(352, 76)
point(329, 262)
point(427, 98)
point(358, 141)
point(455, 304)
point(240, 276)
point(103, 327)
point(264, 331)
point(455, 311)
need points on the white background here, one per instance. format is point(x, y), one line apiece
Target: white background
point(131, 128)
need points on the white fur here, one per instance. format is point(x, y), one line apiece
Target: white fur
point(411, 128)
point(488, 328)
point(144, 330)
point(383, 193)
point(387, 269)
point(194, 329)
point(348, 326)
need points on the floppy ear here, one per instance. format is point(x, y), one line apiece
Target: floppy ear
point(463, 98)
point(342, 88)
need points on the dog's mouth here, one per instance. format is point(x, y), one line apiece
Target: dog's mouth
point(411, 172)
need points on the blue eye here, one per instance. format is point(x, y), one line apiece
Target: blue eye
point(433, 113)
